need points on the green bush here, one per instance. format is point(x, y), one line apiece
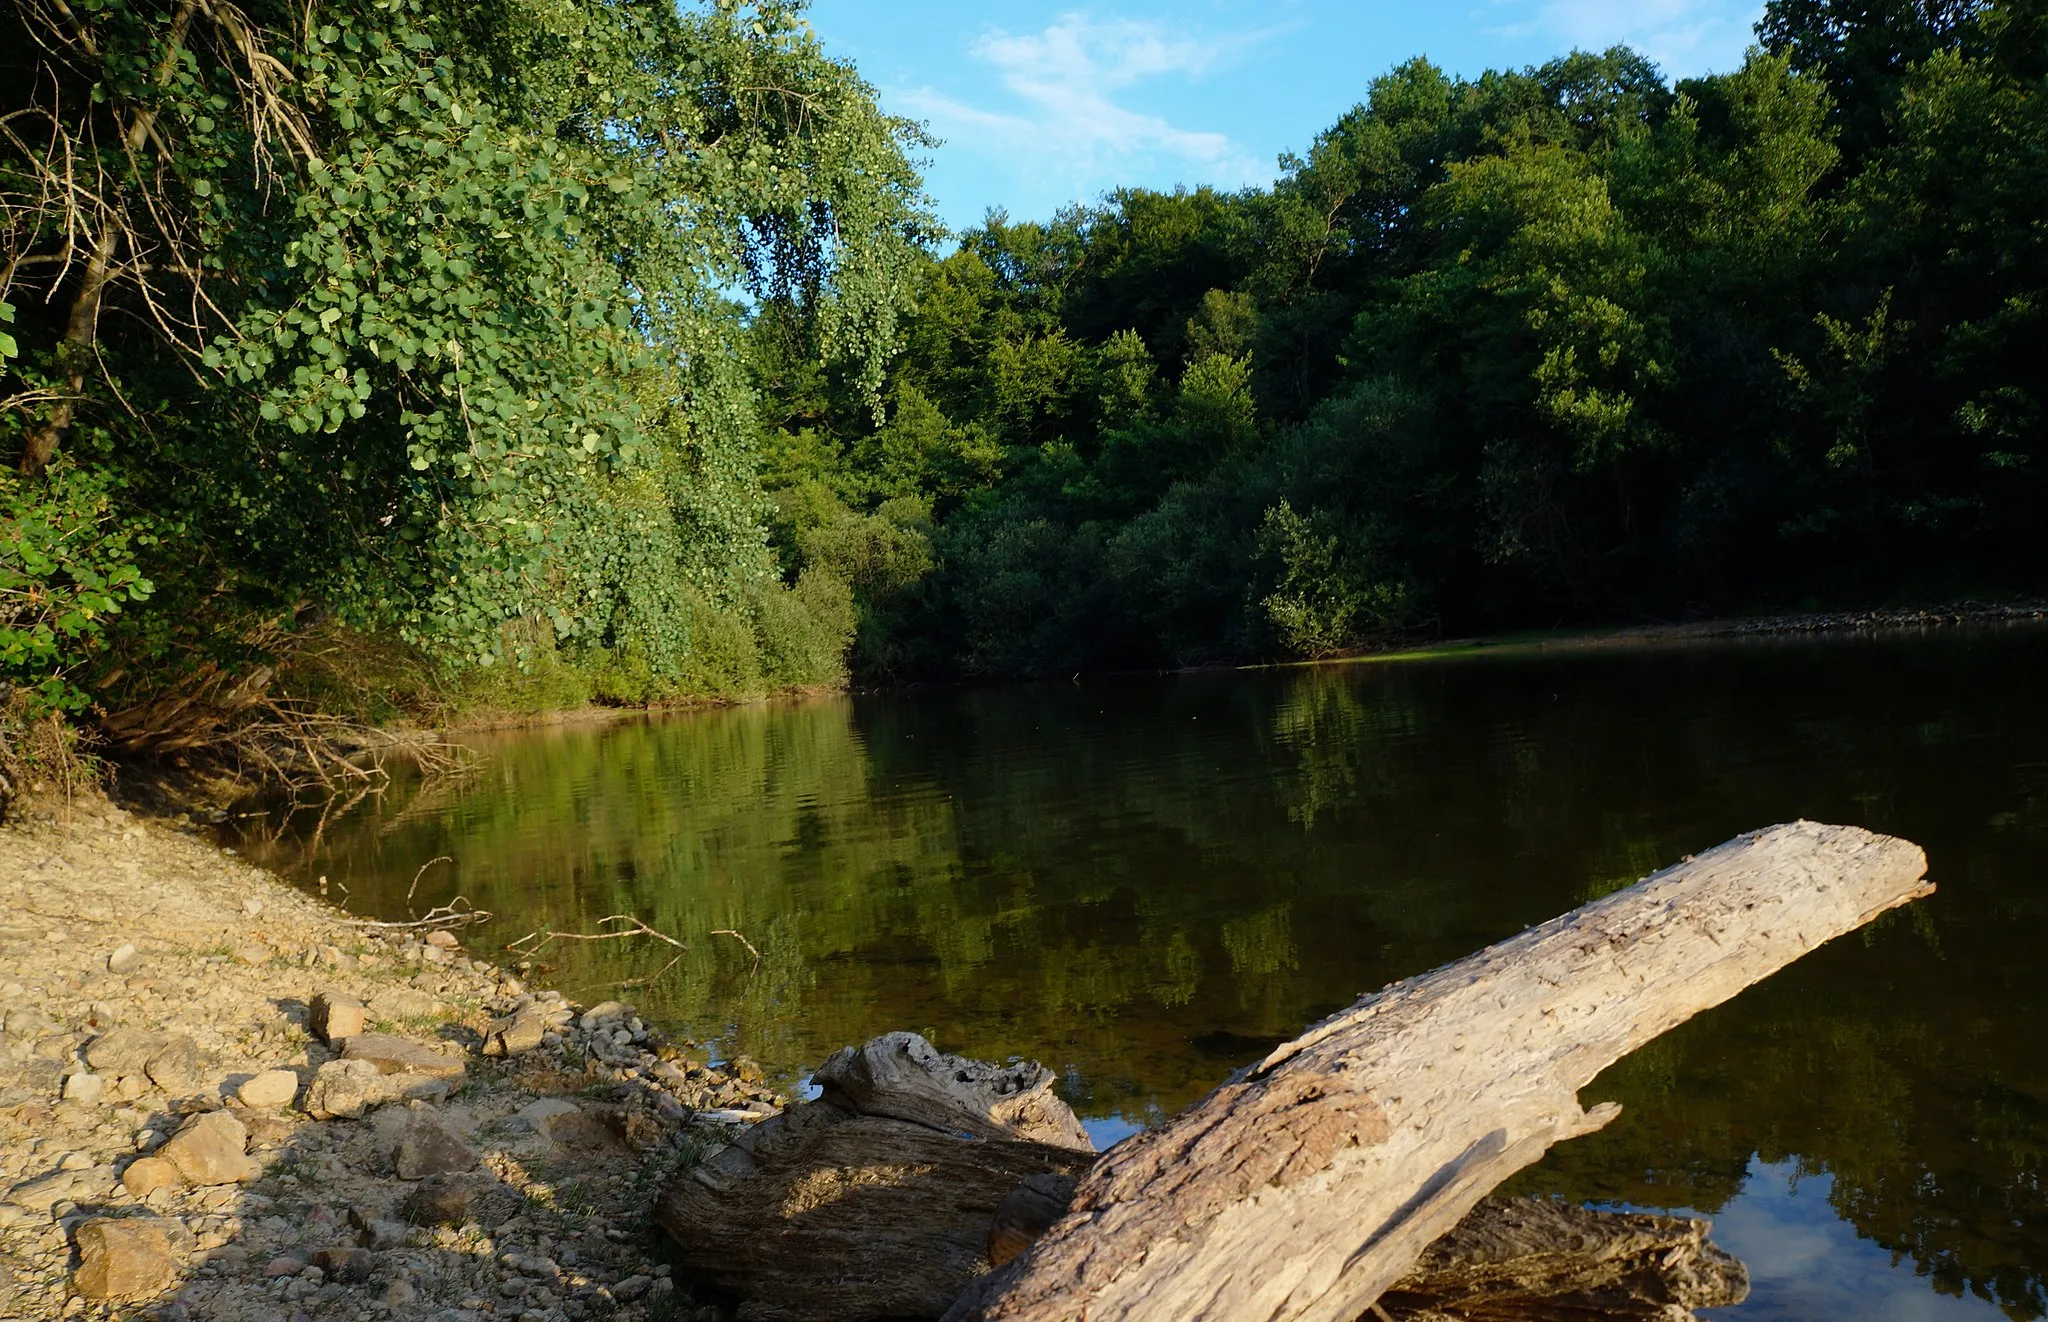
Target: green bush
point(66, 565)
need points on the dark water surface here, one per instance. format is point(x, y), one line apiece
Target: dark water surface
point(1145, 883)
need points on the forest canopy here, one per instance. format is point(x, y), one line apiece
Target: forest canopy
point(547, 351)
point(1567, 345)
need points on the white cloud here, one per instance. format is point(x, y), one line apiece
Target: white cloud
point(1683, 36)
point(1066, 127)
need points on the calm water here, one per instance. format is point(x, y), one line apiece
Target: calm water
point(1145, 883)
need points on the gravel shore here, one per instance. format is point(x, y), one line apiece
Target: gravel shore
point(221, 1100)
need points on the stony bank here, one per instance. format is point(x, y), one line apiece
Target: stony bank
point(222, 1100)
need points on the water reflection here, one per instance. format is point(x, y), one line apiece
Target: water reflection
point(1808, 1263)
point(1144, 883)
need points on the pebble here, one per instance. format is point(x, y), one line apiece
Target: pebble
point(84, 1088)
point(125, 960)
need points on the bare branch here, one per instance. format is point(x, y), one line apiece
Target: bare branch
point(456, 913)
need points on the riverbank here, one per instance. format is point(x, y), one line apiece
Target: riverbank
point(1807, 623)
point(222, 1100)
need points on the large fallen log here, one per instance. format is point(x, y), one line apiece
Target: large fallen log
point(1310, 1186)
point(886, 1197)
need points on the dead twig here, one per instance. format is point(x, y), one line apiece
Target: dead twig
point(444, 858)
point(635, 928)
point(622, 926)
point(741, 938)
point(458, 912)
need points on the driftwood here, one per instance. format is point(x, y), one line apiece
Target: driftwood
point(891, 1194)
point(1308, 1188)
point(1337, 1179)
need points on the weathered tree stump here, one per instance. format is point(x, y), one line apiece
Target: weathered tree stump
point(876, 1200)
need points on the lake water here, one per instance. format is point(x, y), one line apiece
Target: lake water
point(1146, 882)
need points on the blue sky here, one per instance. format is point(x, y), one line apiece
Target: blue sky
point(1041, 104)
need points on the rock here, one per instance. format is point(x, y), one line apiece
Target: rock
point(442, 938)
point(123, 1259)
point(45, 1191)
point(128, 1087)
point(536, 1115)
point(178, 1067)
point(26, 1022)
point(632, 1288)
point(209, 1150)
point(748, 1070)
point(145, 1175)
point(397, 1055)
point(585, 1135)
point(251, 907)
point(343, 1090)
point(602, 1011)
point(255, 954)
point(125, 960)
point(286, 1266)
point(347, 1265)
point(124, 1050)
point(86, 1089)
point(379, 1233)
point(402, 1003)
point(426, 1148)
point(516, 1033)
point(270, 1088)
point(440, 1200)
point(400, 1294)
point(336, 1015)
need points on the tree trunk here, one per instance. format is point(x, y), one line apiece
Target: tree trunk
point(75, 350)
point(915, 1173)
point(1308, 1188)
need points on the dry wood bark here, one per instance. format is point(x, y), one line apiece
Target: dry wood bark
point(1525, 1259)
point(832, 1215)
point(1309, 1187)
point(876, 1200)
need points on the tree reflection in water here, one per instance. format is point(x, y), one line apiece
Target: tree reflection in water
point(1146, 882)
